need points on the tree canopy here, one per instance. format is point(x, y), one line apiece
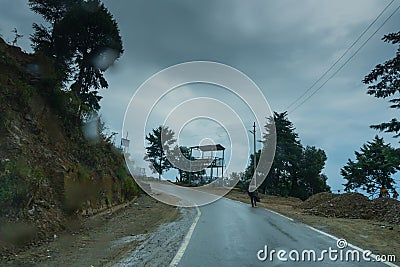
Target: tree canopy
point(311, 180)
point(384, 82)
point(373, 168)
point(51, 10)
point(83, 38)
point(160, 142)
point(296, 170)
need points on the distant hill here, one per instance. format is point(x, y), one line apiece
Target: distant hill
point(48, 170)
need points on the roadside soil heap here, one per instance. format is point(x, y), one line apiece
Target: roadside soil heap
point(354, 206)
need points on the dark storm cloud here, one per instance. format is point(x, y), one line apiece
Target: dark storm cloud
point(171, 31)
point(284, 46)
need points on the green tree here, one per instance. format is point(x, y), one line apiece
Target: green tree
point(83, 38)
point(160, 142)
point(296, 171)
point(373, 168)
point(311, 179)
point(52, 11)
point(384, 81)
point(283, 175)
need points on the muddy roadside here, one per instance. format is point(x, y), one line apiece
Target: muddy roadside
point(144, 233)
point(381, 238)
point(149, 233)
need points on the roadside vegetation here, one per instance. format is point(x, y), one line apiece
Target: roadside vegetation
point(57, 158)
point(296, 170)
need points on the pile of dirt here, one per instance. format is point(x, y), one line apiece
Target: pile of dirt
point(317, 199)
point(388, 209)
point(353, 206)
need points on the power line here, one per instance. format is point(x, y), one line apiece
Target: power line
point(341, 67)
point(341, 57)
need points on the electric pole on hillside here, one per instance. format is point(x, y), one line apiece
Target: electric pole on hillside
point(253, 180)
point(125, 144)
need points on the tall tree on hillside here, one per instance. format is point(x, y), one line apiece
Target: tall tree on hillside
point(282, 177)
point(51, 10)
point(374, 166)
point(83, 38)
point(296, 171)
point(42, 39)
point(384, 82)
point(311, 179)
point(160, 141)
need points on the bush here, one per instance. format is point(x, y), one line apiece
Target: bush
point(24, 93)
point(129, 188)
point(13, 183)
point(2, 122)
point(121, 173)
point(7, 188)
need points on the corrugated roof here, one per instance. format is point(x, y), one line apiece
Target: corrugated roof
point(216, 147)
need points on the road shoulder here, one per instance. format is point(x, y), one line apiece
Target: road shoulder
point(105, 238)
point(380, 237)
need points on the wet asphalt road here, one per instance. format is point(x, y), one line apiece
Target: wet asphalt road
point(231, 233)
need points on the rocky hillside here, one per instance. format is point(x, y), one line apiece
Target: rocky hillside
point(48, 170)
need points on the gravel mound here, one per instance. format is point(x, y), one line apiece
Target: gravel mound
point(388, 209)
point(353, 206)
point(317, 199)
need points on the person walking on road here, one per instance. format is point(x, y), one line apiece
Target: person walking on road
point(253, 198)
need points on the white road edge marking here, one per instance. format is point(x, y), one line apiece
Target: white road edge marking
point(352, 246)
point(175, 261)
point(336, 239)
point(274, 212)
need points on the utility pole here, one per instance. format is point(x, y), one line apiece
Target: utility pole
point(254, 149)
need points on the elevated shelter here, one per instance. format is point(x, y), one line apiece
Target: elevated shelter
point(212, 158)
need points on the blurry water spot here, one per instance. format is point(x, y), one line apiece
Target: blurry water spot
point(91, 129)
point(105, 58)
point(17, 234)
point(33, 69)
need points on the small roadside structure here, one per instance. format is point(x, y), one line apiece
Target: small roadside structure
point(211, 159)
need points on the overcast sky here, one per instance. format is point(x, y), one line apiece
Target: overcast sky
point(283, 46)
